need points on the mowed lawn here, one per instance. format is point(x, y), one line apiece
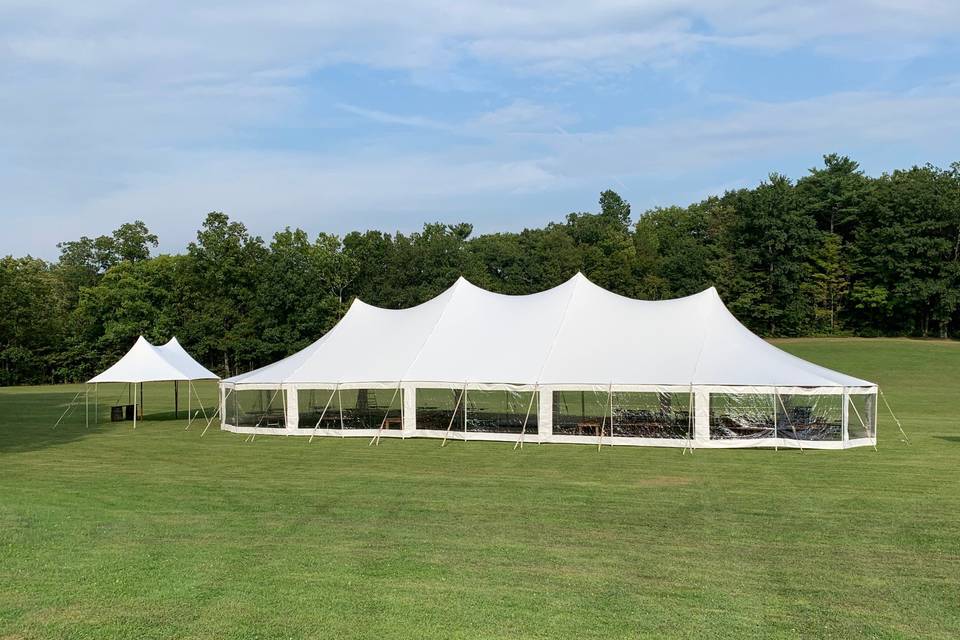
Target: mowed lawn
point(156, 533)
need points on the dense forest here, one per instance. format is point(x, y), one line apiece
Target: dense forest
point(834, 253)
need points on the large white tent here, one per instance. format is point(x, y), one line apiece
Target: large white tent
point(576, 363)
point(145, 362)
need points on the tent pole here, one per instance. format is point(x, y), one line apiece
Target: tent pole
point(464, 411)
point(135, 403)
point(454, 415)
point(219, 407)
point(69, 407)
point(523, 430)
point(340, 405)
point(176, 399)
point(690, 422)
point(96, 403)
point(403, 423)
point(862, 423)
point(86, 405)
point(210, 421)
point(775, 446)
point(189, 406)
point(283, 400)
point(196, 394)
point(253, 436)
point(603, 423)
point(323, 413)
point(789, 421)
point(383, 422)
point(887, 404)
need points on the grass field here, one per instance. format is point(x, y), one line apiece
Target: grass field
point(157, 533)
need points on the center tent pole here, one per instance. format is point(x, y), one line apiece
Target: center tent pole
point(135, 403)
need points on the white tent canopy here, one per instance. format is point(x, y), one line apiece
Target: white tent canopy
point(146, 363)
point(574, 337)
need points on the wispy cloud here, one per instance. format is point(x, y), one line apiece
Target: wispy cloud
point(111, 110)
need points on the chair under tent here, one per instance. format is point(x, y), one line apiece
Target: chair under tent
point(145, 362)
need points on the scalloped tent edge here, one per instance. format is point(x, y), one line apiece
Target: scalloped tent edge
point(575, 336)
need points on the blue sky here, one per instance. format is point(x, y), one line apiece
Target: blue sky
point(341, 116)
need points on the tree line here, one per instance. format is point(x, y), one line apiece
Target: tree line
point(836, 252)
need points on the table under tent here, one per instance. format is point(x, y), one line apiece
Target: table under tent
point(575, 364)
point(147, 363)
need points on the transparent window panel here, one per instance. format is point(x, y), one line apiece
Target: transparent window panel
point(369, 408)
point(259, 408)
point(230, 409)
point(741, 416)
point(810, 417)
point(435, 408)
point(862, 416)
point(651, 415)
point(581, 413)
point(501, 411)
point(310, 406)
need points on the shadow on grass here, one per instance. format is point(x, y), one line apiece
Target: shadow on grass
point(949, 438)
point(27, 421)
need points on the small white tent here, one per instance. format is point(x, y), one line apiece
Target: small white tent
point(145, 362)
point(576, 363)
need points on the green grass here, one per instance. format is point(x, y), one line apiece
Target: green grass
point(157, 533)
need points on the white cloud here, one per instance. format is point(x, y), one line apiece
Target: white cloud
point(112, 109)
